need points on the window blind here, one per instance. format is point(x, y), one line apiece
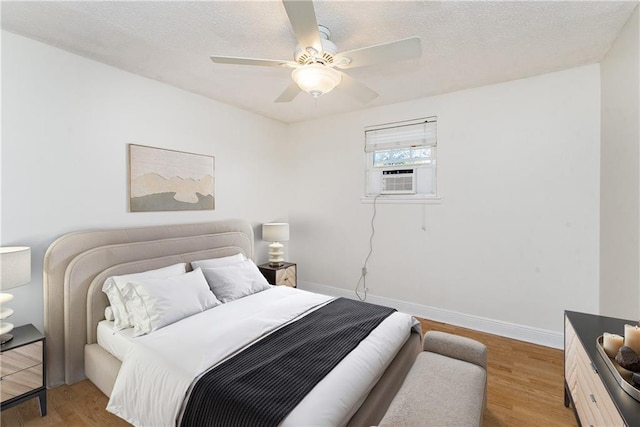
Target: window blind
point(421, 132)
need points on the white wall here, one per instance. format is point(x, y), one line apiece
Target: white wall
point(620, 176)
point(515, 238)
point(66, 123)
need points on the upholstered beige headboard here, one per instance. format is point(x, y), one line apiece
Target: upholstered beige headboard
point(76, 265)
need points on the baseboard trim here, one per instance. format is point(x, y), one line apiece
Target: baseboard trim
point(510, 330)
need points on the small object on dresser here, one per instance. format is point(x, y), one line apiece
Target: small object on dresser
point(285, 274)
point(612, 343)
point(628, 359)
point(632, 337)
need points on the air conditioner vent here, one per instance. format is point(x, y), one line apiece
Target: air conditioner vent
point(398, 181)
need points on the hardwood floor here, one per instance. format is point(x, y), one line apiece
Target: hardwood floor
point(525, 388)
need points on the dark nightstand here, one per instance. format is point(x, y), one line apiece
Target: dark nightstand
point(286, 274)
point(22, 368)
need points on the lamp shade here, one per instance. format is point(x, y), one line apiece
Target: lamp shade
point(275, 232)
point(15, 266)
point(316, 79)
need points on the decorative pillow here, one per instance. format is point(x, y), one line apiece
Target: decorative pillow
point(236, 280)
point(108, 314)
point(155, 303)
point(218, 262)
point(114, 285)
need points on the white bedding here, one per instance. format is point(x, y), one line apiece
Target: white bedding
point(117, 343)
point(158, 368)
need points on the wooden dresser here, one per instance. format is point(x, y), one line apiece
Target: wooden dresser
point(22, 366)
point(597, 398)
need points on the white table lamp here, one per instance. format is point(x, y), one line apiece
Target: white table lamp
point(275, 232)
point(15, 270)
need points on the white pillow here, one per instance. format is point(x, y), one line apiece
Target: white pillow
point(236, 280)
point(108, 314)
point(218, 262)
point(154, 303)
point(114, 285)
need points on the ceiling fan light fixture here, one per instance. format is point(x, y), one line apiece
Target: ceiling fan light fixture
point(316, 79)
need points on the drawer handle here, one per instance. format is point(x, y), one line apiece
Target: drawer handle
point(593, 398)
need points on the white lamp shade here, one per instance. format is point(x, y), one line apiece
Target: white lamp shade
point(15, 266)
point(275, 232)
point(316, 79)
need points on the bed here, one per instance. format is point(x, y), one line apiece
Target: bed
point(77, 264)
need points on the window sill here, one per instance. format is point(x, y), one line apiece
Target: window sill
point(401, 199)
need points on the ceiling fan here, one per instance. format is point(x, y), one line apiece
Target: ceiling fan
point(317, 63)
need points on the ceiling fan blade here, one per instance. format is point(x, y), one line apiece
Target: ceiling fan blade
point(386, 52)
point(356, 89)
point(304, 23)
point(253, 61)
point(289, 93)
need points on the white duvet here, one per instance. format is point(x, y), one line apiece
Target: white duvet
point(159, 368)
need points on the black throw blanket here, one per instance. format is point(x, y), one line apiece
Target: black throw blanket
point(263, 383)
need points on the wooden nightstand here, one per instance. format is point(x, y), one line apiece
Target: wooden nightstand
point(286, 274)
point(22, 368)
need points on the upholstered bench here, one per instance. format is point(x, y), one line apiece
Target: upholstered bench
point(445, 387)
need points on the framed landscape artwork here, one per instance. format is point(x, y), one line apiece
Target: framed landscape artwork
point(168, 180)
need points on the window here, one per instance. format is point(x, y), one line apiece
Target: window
point(401, 160)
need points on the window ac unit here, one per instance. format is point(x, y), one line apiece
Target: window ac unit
point(399, 181)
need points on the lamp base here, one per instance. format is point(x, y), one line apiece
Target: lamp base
point(5, 327)
point(276, 251)
point(5, 338)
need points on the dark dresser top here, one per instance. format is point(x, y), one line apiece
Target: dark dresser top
point(22, 335)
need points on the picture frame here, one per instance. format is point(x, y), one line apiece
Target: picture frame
point(169, 180)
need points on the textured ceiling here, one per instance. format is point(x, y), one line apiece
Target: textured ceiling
point(465, 44)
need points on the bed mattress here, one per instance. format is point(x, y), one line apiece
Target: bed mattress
point(117, 343)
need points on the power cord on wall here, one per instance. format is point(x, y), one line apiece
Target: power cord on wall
point(363, 276)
